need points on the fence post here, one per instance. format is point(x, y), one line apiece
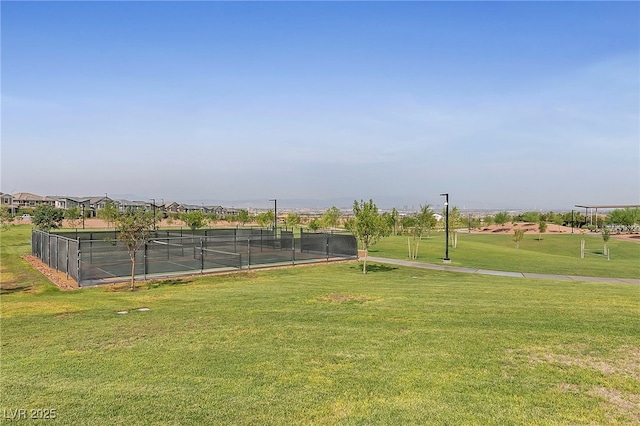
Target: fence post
point(67, 261)
point(57, 244)
point(144, 261)
point(235, 240)
point(249, 253)
point(201, 257)
point(327, 247)
point(79, 265)
point(293, 249)
point(56, 255)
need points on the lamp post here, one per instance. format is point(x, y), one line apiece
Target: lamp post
point(572, 221)
point(446, 228)
point(153, 206)
point(275, 217)
point(82, 215)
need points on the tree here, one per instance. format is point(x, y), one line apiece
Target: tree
point(488, 220)
point(134, 228)
point(172, 217)
point(368, 227)
point(407, 223)
point(393, 218)
point(530, 217)
point(331, 218)
point(314, 224)
point(518, 235)
point(211, 218)
point(243, 217)
point(73, 216)
point(573, 219)
point(292, 220)
point(424, 220)
point(194, 219)
point(108, 213)
point(454, 224)
point(554, 218)
point(46, 217)
point(6, 218)
point(501, 218)
point(265, 219)
point(542, 228)
point(627, 217)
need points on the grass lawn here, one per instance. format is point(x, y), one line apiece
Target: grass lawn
point(553, 254)
point(322, 345)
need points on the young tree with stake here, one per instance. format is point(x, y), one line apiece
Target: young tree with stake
point(518, 235)
point(368, 226)
point(542, 228)
point(134, 228)
point(73, 216)
point(606, 234)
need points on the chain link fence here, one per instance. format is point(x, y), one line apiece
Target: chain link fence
point(58, 252)
point(92, 258)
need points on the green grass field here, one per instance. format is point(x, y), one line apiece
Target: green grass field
point(553, 254)
point(320, 345)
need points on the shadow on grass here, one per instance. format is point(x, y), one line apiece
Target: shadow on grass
point(14, 289)
point(374, 267)
point(164, 283)
point(145, 285)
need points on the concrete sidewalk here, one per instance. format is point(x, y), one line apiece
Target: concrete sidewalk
point(461, 269)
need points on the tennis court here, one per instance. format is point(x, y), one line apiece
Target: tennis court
point(101, 258)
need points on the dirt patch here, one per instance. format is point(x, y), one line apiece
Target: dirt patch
point(623, 362)
point(345, 298)
point(618, 402)
point(532, 228)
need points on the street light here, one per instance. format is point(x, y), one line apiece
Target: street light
point(572, 221)
point(275, 217)
point(154, 213)
point(446, 227)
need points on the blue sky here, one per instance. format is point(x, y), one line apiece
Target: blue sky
point(505, 105)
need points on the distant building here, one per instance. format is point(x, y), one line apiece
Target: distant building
point(28, 200)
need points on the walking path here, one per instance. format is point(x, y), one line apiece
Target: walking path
point(449, 268)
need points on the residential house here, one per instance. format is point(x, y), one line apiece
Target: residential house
point(65, 203)
point(124, 205)
point(96, 203)
point(7, 200)
point(28, 200)
point(170, 207)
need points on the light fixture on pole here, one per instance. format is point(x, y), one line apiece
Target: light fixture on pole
point(446, 228)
